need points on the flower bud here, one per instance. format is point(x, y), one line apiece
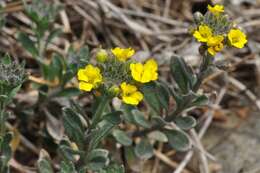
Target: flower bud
point(114, 90)
point(198, 17)
point(102, 55)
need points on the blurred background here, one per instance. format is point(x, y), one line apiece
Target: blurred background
point(159, 29)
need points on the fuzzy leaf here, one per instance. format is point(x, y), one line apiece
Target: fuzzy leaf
point(182, 74)
point(74, 128)
point(28, 44)
point(110, 121)
point(185, 123)
point(178, 140)
point(158, 136)
point(151, 97)
point(122, 137)
point(144, 149)
point(140, 119)
point(67, 168)
point(97, 159)
point(69, 92)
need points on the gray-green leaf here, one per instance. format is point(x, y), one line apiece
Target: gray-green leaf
point(178, 140)
point(122, 137)
point(144, 149)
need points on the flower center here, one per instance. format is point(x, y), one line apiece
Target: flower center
point(235, 39)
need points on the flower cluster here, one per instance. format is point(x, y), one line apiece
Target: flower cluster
point(214, 30)
point(12, 75)
point(118, 74)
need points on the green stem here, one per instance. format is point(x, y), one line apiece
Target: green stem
point(99, 111)
point(2, 123)
point(206, 61)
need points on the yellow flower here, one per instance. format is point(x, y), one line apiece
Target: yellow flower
point(215, 44)
point(144, 72)
point(237, 38)
point(89, 77)
point(123, 54)
point(216, 9)
point(203, 34)
point(130, 94)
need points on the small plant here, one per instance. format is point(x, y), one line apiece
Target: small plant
point(58, 71)
point(42, 15)
point(12, 76)
point(115, 74)
point(123, 93)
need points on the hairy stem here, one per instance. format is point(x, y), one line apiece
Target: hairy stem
point(99, 111)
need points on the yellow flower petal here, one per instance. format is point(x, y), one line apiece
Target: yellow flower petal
point(85, 86)
point(89, 77)
point(130, 100)
point(130, 94)
point(215, 40)
point(203, 34)
point(144, 73)
point(82, 75)
point(136, 71)
point(212, 51)
point(215, 44)
point(216, 9)
point(122, 54)
point(151, 64)
point(237, 38)
point(138, 96)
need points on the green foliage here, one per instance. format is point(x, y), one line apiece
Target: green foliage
point(178, 140)
point(122, 137)
point(182, 74)
point(86, 137)
point(67, 168)
point(157, 95)
point(73, 126)
point(159, 119)
point(97, 159)
point(110, 121)
point(144, 149)
point(185, 123)
point(140, 119)
point(12, 75)
point(6, 152)
point(113, 169)
point(158, 136)
point(44, 163)
point(28, 44)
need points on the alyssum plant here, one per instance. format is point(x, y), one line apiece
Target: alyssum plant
point(115, 74)
point(12, 75)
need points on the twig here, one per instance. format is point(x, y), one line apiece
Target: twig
point(204, 162)
point(25, 141)
point(248, 93)
point(168, 161)
point(157, 160)
point(42, 81)
point(202, 131)
point(154, 17)
point(17, 166)
point(131, 24)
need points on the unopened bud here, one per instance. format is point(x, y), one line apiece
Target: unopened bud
point(102, 55)
point(114, 90)
point(198, 17)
